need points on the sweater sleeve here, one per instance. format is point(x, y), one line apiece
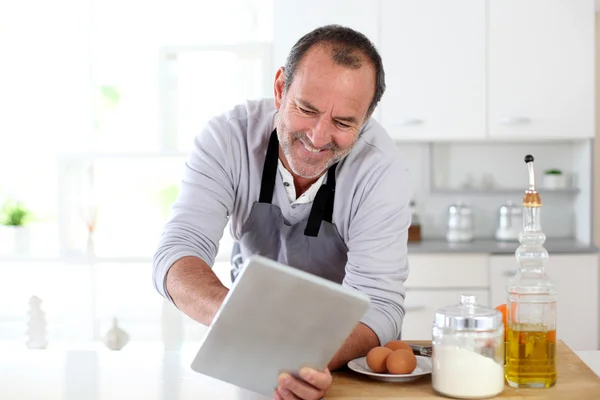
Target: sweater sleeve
point(204, 203)
point(377, 249)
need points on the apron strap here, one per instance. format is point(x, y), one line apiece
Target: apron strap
point(322, 208)
point(267, 184)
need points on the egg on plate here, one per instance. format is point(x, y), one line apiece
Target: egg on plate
point(395, 357)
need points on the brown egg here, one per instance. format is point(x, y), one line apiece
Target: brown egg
point(377, 357)
point(397, 345)
point(401, 362)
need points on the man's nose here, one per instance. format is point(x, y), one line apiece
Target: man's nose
point(319, 135)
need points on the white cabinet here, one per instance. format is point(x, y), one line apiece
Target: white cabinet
point(447, 270)
point(469, 69)
point(433, 53)
point(437, 281)
point(293, 19)
point(541, 69)
point(576, 278)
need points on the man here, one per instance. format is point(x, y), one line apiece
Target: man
point(307, 179)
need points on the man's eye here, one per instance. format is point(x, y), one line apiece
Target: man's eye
point(305, 111)
point(343, 125)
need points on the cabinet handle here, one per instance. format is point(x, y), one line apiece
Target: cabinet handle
point(509, 274)
point(512, 121)
point(413, 308)
point(409, 122)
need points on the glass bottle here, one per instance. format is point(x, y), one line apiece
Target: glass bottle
point(531, 303)
point(414, 230)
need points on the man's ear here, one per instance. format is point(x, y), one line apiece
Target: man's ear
point(279, 87)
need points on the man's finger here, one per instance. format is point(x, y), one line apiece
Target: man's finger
point(298, 387)
point(286, 394)
point(319, 379)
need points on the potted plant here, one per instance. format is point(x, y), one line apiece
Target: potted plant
point(554, 179)
point(14, 218)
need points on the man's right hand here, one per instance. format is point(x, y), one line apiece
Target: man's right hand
point(313, 385)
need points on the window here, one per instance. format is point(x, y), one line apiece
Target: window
point(102, 103)
point(230, 75)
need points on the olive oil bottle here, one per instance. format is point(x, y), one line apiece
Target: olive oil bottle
point(531, 303)
point(531, 357)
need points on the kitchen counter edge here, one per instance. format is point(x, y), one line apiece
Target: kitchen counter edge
point(490, 246)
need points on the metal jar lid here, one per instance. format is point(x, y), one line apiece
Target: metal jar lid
point(509, 208)
point(468, 316)
point(459, 209)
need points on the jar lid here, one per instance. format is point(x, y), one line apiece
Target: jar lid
point(468, 316)
point(459, 209)
point(510, 208)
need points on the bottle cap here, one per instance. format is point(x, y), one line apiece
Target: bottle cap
point(532, 197)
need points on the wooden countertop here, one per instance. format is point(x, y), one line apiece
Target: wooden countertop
point(146, 371)
point(575, 381)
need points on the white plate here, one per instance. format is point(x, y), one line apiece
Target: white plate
point(423, 368)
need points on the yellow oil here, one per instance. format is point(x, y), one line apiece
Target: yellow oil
point(530, 357)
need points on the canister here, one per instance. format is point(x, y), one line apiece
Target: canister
point(468, 350)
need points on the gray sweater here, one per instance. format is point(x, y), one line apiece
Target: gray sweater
point(222, 179)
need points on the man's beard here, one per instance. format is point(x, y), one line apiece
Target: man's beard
point(306, 167)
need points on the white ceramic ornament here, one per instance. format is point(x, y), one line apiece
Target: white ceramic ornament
point(116, 338)
point(36, 326)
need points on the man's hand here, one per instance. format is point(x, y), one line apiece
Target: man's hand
point(313, 385)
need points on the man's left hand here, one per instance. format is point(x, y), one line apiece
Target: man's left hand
point(313, 385)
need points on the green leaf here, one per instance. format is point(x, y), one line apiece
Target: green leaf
point(553, 171)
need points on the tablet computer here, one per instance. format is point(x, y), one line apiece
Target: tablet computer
point(276, 319)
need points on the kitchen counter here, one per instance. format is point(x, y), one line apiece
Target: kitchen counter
point(575, 381)
point(139, 372)
point(491, 246)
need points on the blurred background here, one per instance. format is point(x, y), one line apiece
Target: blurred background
point(99, 104)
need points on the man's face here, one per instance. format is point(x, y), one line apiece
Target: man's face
point(321, 114)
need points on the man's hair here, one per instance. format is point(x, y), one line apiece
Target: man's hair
point(346, 43)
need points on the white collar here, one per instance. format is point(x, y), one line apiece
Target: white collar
point(290, 189)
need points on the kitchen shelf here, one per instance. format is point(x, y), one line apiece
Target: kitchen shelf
point(490, 192)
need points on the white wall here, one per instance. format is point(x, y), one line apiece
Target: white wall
point(439, 170)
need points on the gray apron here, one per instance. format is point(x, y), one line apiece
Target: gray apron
point(314, 246)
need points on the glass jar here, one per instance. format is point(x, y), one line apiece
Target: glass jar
point(468, 350)
point(460, 224)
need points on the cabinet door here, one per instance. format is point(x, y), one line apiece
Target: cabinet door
point(421, 306)
point(433, 53)
point(576, 278)
point(294, 18)
point(448, 271)
point(541, 69)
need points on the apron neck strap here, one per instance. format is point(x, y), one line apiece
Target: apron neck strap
point(322, 208)
point(267, 184)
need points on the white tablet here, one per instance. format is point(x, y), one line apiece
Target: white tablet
point(275, 319)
